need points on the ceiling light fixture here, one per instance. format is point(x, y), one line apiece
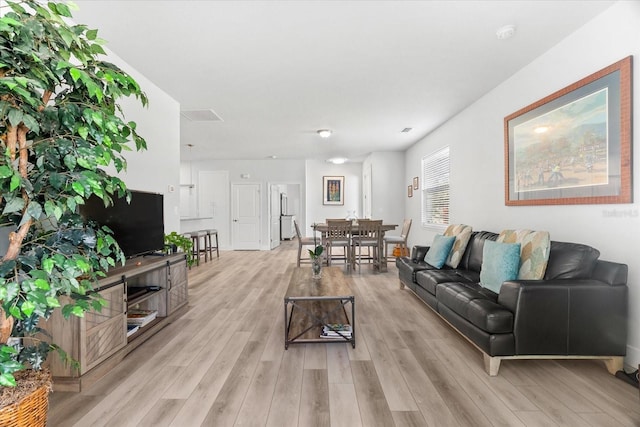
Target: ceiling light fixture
point(506, 32)
point(324, 133)
point(337, 160)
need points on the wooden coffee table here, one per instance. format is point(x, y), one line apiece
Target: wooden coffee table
point(310, 305)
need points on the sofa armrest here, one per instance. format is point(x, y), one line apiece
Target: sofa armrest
point(567, 316)
point(418, 253)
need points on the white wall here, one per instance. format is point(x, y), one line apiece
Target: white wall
point(477, 159)
point(157, 168)
point(316, 211)
point(387, 175)
point(261, 171)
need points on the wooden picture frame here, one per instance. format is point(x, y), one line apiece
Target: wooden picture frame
point(574, 146)
point(409, 191)
point(416, 182)
point(333, 190)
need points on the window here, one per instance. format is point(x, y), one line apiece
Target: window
point(435, 188)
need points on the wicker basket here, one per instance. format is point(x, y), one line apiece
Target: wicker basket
point(29, 412)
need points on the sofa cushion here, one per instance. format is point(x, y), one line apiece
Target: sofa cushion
point(439, 250)
point(570, 261)
point(477, 305)
point(500, 263)
point(429, 279)
point(462, 233)
point(472, 259)
point(534, 251)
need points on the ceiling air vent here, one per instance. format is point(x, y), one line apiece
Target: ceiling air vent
point(201, 115)
point(406, 130)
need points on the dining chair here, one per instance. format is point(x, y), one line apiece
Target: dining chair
point(303, 241)
point(338, 235)
point(398, 240)
point(368, 236)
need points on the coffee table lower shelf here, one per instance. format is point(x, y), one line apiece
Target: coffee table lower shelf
point(305, 317)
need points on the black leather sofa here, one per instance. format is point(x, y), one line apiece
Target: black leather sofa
point(579, 309)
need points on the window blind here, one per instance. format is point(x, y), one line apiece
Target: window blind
point(435, 188)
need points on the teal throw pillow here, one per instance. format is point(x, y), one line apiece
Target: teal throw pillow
point(500, 262)
point(439, 250)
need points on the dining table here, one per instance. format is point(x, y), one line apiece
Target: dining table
point(324, 227)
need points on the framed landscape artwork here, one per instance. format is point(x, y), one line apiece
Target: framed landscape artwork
point(333, 190)
point(574, 146)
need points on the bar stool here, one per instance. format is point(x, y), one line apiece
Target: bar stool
point(208, 243)
point(196, 248)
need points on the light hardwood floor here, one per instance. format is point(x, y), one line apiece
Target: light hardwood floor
point(224, 363)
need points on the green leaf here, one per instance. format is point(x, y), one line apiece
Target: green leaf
point(13, 205)
point(42, 284)
point(15, 182)
point(15, 117)
point(53, 302)
point(5, 171)
point(83, 131)
point(34, 210)
point(7, 380)
point(75, 74)
point(77, 311)
point(28, 307)
point(63, 10)
point(92, 34)
point(78, 188)
point(48, 264)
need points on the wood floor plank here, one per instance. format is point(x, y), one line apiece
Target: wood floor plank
point(338, 367)
point(314, 399)
point(374, 409)
point(255, 408)
point(285, 402)
point(472, 381)
point(162, 413)
point(408, 419)
point(395, 388)
point(225, 359)
point(343, 405)
point(225, 408)
point(197, 405)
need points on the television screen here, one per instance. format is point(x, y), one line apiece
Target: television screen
point(138, 227)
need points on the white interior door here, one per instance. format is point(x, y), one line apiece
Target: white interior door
point(274, 215)
point(245, 216)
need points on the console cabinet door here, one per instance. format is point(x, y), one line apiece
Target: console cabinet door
point(178, 294)
point(104, 332)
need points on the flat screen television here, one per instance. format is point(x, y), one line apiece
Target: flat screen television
point(138, 227)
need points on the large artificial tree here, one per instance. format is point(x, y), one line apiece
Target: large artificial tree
point(61, 128)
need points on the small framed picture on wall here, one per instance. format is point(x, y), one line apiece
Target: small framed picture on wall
point(333, 190)
point(415, 183)
point(410, 191)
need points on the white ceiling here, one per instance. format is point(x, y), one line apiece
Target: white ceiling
point(277, 71)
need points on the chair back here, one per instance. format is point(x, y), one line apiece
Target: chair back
point(295, 224)
point(338, 229)
point(368, 229)
point(406, 226)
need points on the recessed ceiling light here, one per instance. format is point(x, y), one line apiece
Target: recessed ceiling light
point(506, 32)
point(273, 157)
point(324, 133)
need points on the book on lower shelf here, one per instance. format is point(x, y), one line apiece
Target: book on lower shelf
point(132, 329)
point(140, 317)
point(336, 330)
